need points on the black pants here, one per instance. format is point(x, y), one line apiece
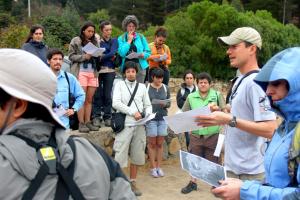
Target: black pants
point(102, 101)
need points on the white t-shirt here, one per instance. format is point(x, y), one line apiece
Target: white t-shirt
point(244, 152)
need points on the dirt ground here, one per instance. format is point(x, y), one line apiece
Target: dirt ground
point(169, 186)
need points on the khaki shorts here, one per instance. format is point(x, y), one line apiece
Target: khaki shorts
point(244, 177)
point(131, 140)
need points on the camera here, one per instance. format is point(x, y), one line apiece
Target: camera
point(143, 114)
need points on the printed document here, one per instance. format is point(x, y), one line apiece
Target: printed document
point(202, 169)
point(133, 55)
point(90, 48)
point(185, 121)
point(60, 111)
point(143, 120)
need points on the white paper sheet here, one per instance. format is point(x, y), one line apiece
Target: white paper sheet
point(185, 122)
point(143, 120)
point(219, 146)
point(90, 48)
point(202, 169)
point(60, 111)
point(133, 55)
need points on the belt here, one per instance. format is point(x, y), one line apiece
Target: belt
point(105, 69)
point(203, 136)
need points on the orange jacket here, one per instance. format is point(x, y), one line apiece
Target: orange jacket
point(156, 54)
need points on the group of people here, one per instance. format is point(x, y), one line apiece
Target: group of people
point(262, 160)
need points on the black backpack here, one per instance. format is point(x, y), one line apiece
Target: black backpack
point(48, 156)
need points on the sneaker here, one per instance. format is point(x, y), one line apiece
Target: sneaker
point(153, 172)
point(97, 122)
point(189, 188)
point(160, 172)
point(83, 128)
point(91, 127)
point(107, 122)
point(134, 189)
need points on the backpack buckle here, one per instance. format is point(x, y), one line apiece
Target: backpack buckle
point(49, 156)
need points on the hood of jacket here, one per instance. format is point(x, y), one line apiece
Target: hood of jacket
point(284, 65)
point(23, 157)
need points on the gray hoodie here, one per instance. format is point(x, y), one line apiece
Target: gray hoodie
point(19, 165)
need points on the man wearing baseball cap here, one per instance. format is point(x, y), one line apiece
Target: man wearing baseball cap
point(250, 120)
point(38, 159)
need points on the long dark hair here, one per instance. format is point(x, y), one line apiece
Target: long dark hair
point(32, 30)
point(83, 28)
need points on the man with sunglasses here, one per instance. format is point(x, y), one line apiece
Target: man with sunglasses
point(250, 120)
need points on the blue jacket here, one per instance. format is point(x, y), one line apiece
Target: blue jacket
point(37, 48)
point(62, 94)
point(141, 45)
point(111, 47)
point(284, 65)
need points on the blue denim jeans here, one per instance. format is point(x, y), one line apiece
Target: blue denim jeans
point(102, 101)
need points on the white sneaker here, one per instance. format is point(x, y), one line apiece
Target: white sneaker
point(153, 172)
point(160, 172)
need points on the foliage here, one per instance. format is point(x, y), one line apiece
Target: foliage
point(96, 17)
point(57, 27)
point(193, 34)
point(237, 4)
point(13, 36)
point(71, 16)
point(89, 6)
point(5, 20)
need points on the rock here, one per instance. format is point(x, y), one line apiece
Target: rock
point(174, 146)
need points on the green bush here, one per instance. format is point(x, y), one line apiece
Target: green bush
point(14, 36)
point(5, 20)
point(193, 37)
point(57, 27)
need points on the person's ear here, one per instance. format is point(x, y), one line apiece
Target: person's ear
point(48, 61)
point(19, 108)
point(253, 49)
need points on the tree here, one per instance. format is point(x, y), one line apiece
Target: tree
point(5, 5)
point(238, 5)
point(57, 28)
point(193, 37)
point(13, 36)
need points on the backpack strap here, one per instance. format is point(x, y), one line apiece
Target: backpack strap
point(66, 184)
point(69, 92)
point(294, 156)
point(112, 166)
point(62, 190)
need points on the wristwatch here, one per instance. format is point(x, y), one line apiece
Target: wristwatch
point(74, 110)
point(232, 122)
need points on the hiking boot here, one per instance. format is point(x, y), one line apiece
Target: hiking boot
point(97, 122)
point(134, 189)
point(153, 172)
point(107, 122)
point(189, 188)
point(83, 128)
point(91, 127)
point(160, 172)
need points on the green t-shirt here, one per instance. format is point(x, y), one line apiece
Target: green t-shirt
point(196, 101)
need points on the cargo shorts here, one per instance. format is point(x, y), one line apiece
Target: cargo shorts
point(130, 141)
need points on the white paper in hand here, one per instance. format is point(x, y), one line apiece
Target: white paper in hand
point(143, 120)
point(185, 122)
point(133, 55)
point(90, 48)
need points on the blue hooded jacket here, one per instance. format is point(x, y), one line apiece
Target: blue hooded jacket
point(284, 65)
point(141, 45)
